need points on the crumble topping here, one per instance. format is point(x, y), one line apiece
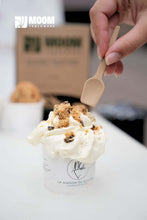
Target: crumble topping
point(65, 110)
point(62, 113)
point(69, 137)
point(95, 128)
point(62, 110)
point(50, 128)
point(63, 123)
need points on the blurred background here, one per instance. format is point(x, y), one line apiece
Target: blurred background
point(124, 101)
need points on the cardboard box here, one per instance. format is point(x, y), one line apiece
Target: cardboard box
point(55, 59)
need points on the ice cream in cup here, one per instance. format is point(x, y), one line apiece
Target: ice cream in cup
point(72, 143)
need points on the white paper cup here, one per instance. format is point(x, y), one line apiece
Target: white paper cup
point(19, 119)
point(67, 176)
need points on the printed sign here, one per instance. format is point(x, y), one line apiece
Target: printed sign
point(55, 59)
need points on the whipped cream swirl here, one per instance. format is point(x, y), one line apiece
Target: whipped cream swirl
point(86, 146)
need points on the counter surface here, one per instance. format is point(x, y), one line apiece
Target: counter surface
point(119, 190)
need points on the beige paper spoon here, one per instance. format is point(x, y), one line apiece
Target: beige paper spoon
point(94, 87)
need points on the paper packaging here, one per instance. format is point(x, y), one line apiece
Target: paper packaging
point(66, 176)
point(19, 119)
point(54, 59)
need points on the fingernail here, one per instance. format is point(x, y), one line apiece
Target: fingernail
point(98, 52)
point(112, 58)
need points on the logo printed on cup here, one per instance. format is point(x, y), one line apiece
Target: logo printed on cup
point(77, 170)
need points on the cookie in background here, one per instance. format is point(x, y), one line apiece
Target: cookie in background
point(26, 92)
point(23, 111)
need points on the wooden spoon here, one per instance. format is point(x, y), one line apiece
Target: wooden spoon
point(94, 87)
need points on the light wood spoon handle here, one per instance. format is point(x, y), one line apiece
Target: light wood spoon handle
point(102, 65)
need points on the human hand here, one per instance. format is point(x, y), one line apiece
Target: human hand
point(105, 15)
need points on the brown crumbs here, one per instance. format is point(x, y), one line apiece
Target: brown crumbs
point(76, 115)
point(50, 128)
point(63, 123)
point(82, 123)
point(76, 112)
point(65, 110)
point(69, 137)
point(80, 108)
point(69, 134)
point(86, 131)
point(62, 110)
point(95, 128)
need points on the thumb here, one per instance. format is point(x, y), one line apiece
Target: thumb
point(128, 43)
